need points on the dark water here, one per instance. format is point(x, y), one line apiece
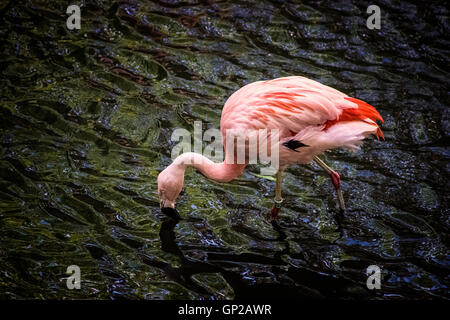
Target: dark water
point(86, 120)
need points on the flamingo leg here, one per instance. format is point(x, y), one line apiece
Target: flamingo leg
point(335, 178)
point(278, 199)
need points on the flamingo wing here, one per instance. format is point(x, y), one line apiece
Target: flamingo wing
point(297, 104)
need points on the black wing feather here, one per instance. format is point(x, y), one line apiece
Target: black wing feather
point(294, 144)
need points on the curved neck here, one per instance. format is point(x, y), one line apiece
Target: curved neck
point(222, 172)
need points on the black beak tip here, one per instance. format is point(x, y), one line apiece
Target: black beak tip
point(171, 212)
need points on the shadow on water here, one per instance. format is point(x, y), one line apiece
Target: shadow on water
point(308, 284)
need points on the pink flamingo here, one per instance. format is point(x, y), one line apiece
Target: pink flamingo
point(311, 118)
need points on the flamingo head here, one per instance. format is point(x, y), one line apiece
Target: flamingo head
point(170, 183)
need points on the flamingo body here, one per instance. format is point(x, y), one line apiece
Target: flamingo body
point(311, 118)
point(303, 110)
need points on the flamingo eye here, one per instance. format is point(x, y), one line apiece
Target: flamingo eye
point(294, 144)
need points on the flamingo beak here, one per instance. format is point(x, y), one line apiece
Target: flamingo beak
point(171, 212)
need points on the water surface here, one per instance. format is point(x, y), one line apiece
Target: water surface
point(86, 123)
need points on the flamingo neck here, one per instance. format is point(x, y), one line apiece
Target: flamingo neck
point(222, 172)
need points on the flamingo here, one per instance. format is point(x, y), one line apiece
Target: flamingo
point(311, 118)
